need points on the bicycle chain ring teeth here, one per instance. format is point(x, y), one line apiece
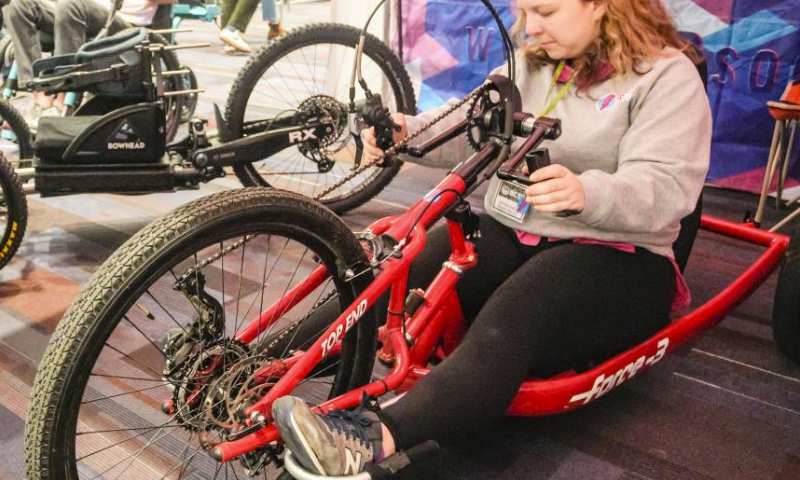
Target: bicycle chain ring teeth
point(327, 109)
point(487, 111)
point(481, 117)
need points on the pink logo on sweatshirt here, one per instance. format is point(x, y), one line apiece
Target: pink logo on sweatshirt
point(606, 102)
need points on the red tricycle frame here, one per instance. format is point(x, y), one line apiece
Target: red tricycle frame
point(410, 341)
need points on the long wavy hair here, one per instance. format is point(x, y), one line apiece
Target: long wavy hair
point(632, 32)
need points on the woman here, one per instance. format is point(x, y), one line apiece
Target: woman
point(589, 270)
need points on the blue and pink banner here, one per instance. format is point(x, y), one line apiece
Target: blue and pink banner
point(752, 48)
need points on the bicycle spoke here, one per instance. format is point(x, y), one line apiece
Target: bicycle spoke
point(145, 336)
point(153, 387)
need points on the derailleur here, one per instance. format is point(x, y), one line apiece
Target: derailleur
point(210, 313)
point(181, 344)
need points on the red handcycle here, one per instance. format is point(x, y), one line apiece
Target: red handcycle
point(166, 364)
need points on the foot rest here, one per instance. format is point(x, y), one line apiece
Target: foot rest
point(387, 468)
point(56, 133)
point(300, 473)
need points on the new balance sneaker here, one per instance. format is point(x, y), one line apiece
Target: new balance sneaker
point(234, 38)
point(340, 443)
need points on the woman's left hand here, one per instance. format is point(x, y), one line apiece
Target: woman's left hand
point(556, 190)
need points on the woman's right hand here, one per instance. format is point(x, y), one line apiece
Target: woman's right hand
point(371, 149)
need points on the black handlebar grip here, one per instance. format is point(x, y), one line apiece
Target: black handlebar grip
point(400, 460)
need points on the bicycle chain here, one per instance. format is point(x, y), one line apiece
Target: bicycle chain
point(390, 151)
point(396, 147)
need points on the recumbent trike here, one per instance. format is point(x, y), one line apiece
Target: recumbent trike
point(125, 150)
point(169, 359)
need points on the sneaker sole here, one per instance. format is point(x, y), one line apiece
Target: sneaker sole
point(233, 44)
point(297, 443)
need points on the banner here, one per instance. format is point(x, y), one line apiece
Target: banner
point(752, 48)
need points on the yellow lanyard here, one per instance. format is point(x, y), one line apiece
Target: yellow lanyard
point(549, 108)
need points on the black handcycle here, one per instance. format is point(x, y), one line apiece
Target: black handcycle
point(285, 125)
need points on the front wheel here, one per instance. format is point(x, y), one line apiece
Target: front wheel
point(146, 368)
point(786, 308)
point(304, 76)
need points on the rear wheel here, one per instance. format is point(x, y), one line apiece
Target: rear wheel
point(15, 136)
point(13, 212)
point(786, 308)
point(132, 341)
point(302, 75)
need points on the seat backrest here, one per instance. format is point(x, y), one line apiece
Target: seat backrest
point(690, 224)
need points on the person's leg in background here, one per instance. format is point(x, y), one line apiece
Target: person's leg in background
point(269, 13)
point(78, 21)
point(23, 20)
point(236, 15)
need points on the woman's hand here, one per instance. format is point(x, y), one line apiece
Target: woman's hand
point(371, 149)
point(556, 190)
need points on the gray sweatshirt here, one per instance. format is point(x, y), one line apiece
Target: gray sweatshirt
point(641, 154)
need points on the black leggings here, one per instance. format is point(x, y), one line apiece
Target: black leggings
point(538, 310)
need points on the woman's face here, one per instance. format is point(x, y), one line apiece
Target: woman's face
point(564, 28)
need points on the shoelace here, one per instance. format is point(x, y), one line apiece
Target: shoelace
point(350, 424)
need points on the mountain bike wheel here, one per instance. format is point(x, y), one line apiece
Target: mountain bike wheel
point(96, 408)
point(13, 212)
point(303, 74)
point(15, 136)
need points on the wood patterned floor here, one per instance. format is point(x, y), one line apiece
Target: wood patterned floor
point(726, 407)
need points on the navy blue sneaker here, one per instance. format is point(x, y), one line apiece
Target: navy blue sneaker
point(340, 443)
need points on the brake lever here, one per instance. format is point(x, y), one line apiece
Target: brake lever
point(356, 126)
point(377, 116)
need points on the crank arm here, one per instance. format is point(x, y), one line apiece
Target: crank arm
point(246, 150)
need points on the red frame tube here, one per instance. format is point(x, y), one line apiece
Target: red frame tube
point(535, 397)
point(253, 329)
point(551, 396)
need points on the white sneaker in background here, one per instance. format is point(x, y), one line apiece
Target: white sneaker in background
point(235, 40)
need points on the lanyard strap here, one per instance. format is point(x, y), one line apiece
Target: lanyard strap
point(563, 91)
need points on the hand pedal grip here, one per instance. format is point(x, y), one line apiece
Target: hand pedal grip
point(534, 160)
